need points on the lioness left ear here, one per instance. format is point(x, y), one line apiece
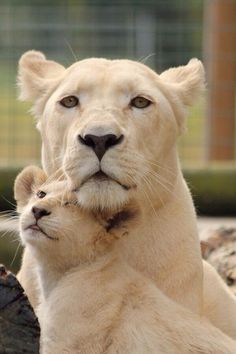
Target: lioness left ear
point(26, 181)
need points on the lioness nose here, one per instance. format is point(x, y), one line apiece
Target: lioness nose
point(39, 212)
point(100, 144)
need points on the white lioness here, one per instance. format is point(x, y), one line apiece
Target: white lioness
point(111, 126)
point(92, 301)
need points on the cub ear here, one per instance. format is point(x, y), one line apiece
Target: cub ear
point(26, 181)
point(36, 75)
point(188, 80)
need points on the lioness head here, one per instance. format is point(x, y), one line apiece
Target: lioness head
point(53, 223)
point(110, 124)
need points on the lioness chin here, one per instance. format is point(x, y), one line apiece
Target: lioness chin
point(92, 301)
point(111, 127)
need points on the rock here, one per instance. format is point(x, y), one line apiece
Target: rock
point(219, 249)
point(19, 327)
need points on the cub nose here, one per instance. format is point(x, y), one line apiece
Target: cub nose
point(39, 213)
point(100, 144)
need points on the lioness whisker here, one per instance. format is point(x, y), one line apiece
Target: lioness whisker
point(148, 198)
point(144, 59)
point(150, 189)
point(71, 49)
point(157, 179)
point(154, 163)
point(143, 191)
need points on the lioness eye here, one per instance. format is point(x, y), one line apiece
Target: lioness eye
point(140, 102)
point(69, 101)
point(41, 194)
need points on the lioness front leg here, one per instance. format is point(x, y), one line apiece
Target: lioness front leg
point(219, 303)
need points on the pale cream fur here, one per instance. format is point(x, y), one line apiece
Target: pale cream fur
point(92, 301)
point(165, 245)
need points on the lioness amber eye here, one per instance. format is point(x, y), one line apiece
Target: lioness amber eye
point(69, 101)
point(140, 102)
point(41, 194)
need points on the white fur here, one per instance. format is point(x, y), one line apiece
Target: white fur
point(92, 301)
point(165, 245)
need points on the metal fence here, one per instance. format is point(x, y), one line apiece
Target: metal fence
point(161, 32)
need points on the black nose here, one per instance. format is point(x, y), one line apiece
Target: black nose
point(39, 212)
point(100, 144)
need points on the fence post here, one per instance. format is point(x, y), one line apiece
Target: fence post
point(220, 59)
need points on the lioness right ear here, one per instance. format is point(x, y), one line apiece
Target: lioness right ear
point(187, 80)
point(187, 84)
point(36, 75)
point(26, 181)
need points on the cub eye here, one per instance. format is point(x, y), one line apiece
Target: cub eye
point(69, 101)
point(41, 194)
point(140, 102)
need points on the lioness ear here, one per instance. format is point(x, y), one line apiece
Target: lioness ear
point(36, 75)
point(26, 181)
point(188, 80)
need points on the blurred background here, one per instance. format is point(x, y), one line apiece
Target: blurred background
point(160, 33)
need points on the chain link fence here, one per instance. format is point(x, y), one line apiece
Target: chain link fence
point(161, 33)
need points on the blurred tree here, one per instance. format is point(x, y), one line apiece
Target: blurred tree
point(220, 57)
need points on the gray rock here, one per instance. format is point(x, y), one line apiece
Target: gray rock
point(19, 327)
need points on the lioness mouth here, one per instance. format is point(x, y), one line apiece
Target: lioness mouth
point(101, 176)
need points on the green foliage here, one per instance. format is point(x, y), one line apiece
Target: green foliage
point(7, 177)
point(213, 189)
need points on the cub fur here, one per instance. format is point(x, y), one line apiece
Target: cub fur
point(91, 300)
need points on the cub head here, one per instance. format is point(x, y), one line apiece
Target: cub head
point(110, 124)
point(54, 225)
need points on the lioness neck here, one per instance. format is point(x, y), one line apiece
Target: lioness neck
point(165, 246)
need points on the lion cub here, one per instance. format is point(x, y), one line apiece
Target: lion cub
point(92, 302)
